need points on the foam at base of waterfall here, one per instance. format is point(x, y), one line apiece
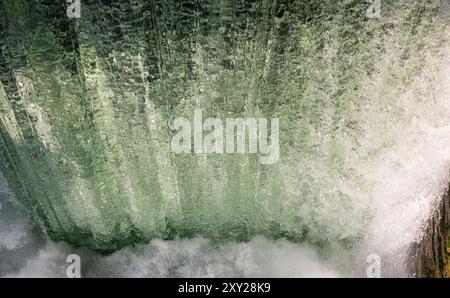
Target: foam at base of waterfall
point(184, 258)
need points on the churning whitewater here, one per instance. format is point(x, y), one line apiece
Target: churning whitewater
point(86, 112)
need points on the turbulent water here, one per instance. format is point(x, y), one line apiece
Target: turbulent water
point(86, 106)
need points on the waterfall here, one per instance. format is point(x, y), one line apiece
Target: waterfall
point(86, 112)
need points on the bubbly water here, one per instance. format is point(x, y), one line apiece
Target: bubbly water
point(86, 106)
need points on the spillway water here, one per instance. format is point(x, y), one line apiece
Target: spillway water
point(85, 111)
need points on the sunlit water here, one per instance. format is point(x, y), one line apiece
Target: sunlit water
point(365, 132)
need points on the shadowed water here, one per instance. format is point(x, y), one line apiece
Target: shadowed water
point(85, 112)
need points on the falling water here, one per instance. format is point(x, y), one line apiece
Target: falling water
point(86, 107)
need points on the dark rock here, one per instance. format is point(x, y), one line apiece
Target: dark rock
point(429, 256)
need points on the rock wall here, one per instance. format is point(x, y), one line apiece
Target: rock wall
point(430, 256)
